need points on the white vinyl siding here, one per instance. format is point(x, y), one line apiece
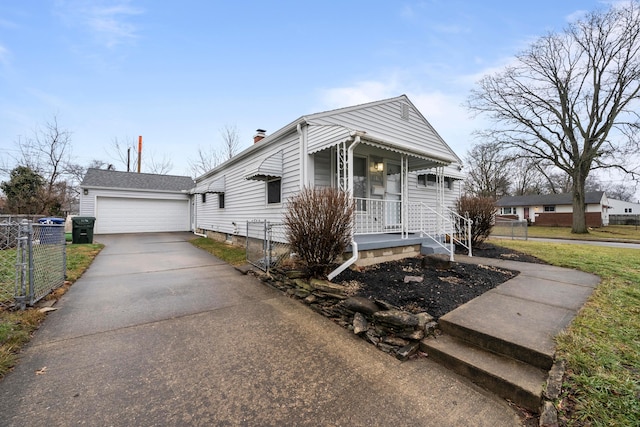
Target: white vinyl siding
point(246, 199)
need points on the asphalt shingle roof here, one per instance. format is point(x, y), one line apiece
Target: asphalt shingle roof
point(101, 178)
point(591, 197)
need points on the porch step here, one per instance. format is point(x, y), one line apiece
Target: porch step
point(429, 248)
point(511, 379)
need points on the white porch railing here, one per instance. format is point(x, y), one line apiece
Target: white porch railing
point(376, 216)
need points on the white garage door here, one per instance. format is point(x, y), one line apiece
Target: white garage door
point(126, 215)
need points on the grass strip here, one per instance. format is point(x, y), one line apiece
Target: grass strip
point(231, 254)
point(602, 344)
point(625, 233)
point(17, 327)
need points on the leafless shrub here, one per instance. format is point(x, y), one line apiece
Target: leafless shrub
point(481, 210)
point(319, 225)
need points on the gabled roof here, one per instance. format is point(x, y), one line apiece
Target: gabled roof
point(591, 197)
point(310, 118)
point(101, 178)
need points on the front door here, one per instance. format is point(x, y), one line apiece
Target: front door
point(393, 197)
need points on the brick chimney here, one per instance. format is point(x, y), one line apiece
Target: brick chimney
point(259, 136)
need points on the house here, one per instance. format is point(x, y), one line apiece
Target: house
point(128, 202)
point(624, 213)
point(555, 209)
point(401, 173)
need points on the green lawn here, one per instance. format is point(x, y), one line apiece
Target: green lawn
point(611, 232)
point(602, 345)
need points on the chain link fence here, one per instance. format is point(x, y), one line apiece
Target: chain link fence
point(32, 261)
point(266, 244)
point(513, 229)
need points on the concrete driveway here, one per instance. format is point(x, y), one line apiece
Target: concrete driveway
point(158, 332)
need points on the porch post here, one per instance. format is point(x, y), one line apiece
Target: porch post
point(440, 201)
point(404, 194)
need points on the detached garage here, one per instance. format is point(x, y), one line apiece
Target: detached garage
point(128, 202)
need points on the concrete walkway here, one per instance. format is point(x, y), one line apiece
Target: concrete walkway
point(158, 332)
point(529, 310)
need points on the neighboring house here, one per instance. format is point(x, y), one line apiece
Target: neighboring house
point(622, 213)
point(128, 202)
point(555, 209)
point(400, 172)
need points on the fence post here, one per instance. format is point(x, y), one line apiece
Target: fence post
point(21, 267)
point(30, 248)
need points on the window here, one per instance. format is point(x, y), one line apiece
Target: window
point(549, 208)
point(508, 211)
point(274, 190)
point(428, 180)
point(221, 200)
point(204, 197)
point(448, 183)
point(628, 210)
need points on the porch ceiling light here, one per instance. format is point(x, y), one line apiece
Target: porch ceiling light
point(379, 166)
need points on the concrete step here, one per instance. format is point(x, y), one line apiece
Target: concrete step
point(495, 344)
point(504, 376)
point(430, 248)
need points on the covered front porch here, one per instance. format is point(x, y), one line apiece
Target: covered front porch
point(388, 213)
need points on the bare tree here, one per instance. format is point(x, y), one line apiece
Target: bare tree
point(47, 152)
point(570, 99)
point(488, 174)
point(125, 152)
point(230, 141)
point(160, 167)
point(527, 176)
point(206, 159)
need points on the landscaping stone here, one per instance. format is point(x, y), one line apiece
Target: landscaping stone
point(398, 318)
point(361, 305)
point(392, 330)
point(302, 284)
point(360, 324)
point(423, 319)
point(295, 274)
point(417, 279)
point(554, 382)
point(395, 341)
point(414, 335)
point(407, 351)
point(549, 415)
point(328, 287)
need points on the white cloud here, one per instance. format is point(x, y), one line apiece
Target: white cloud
point(358, 93)
point(108, 20)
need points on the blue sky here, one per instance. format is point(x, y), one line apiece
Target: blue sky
point(176, 72)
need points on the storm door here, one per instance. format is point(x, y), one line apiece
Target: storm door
point(393, 197)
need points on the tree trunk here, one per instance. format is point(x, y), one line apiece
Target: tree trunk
point(579, 225)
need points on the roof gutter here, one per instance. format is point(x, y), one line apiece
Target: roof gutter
point(354, 244)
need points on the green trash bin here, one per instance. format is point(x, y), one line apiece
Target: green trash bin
point(82, 229)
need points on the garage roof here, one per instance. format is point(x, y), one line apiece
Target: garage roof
point(101, 178)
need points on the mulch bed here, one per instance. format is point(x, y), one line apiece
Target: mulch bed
point(409, 286)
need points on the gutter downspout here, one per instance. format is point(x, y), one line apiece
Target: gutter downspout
point(195, 216)
point(354, 245)
point(302, 143)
